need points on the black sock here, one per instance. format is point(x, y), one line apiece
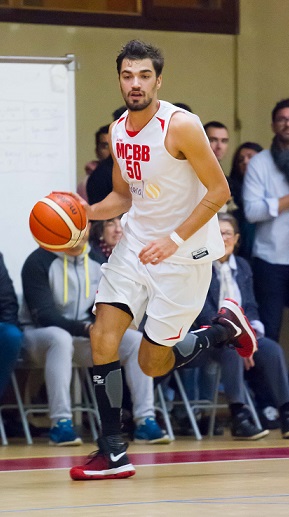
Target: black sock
point(284, 407)
point(107, 381)
point(194, 342)
point(236, 408)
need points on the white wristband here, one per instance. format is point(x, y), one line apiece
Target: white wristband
point(176, 238)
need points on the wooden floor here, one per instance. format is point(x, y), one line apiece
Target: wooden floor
point(211, 478)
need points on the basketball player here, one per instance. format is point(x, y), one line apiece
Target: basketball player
point(168, 182)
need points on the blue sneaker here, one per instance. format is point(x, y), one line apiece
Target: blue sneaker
point(150, 432)
point(63, 434)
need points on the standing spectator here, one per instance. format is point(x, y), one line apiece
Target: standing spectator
point(10, 334)
point(102, 152)
point(241, 158)
point(99, 183)
point(218, 136)
point(266, 203)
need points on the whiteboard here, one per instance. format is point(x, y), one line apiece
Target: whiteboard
point(37, 145)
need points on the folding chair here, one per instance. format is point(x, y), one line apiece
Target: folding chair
point(192, 406)
point(83, 400)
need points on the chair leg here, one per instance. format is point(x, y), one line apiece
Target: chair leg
point(90, 410)
point(190, 412)
point(164, 411)
point(252, 408)
point(2, 431)
point(214, 403)
point(21, 410)
point(92, 395)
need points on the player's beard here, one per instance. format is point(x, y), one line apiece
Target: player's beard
point(134, 106)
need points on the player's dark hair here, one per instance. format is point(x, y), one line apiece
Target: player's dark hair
point(284, 103)
point(138, 50)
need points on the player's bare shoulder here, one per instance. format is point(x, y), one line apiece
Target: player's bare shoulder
point(181, 121)
point(184, 129)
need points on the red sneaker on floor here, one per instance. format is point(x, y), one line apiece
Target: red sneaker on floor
point(232, 316)
point(109, 462)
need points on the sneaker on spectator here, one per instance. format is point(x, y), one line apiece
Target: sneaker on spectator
point(63, 434)
point(244, 427)
point(284, 417)
point(150, 432)
point(109, 462)
point(232, 316)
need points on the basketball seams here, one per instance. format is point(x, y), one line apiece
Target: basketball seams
point(61, 212)
point(58, 218)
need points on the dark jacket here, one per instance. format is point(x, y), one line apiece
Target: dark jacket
point(8, 299)
point(244, 280)
point(99, 183)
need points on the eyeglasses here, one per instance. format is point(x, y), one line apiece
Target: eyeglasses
point(228, 234)
point(282, 120)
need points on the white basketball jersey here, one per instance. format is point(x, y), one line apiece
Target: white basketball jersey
point(164, 190)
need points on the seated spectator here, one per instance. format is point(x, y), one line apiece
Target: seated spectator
point(59, 290)
point(103, 237)
point(232, 277)
point(241, 158)
point(10, 333)
point(102, 152)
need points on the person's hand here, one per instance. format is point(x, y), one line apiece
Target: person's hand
point(76, 196)
point(156, 251)
point(90, 167)
point(249, 362)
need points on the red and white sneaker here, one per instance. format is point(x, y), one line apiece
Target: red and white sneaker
point(109, 462)
point(232, 316)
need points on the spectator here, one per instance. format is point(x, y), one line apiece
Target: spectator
point(10, 333)
point(99, 183)
point(232, 276)
point(241, 158)
point(218, 136)
point(266, 204)
point(59, 290)
point(102, 152)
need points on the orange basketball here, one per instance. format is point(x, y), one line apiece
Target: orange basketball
point(58, 221)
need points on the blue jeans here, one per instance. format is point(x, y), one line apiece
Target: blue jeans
point(10, 344)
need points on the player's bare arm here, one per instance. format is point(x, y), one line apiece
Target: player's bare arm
point(186, 140)
point(186, 137)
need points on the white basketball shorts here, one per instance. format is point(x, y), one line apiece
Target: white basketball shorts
point(172, 295)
